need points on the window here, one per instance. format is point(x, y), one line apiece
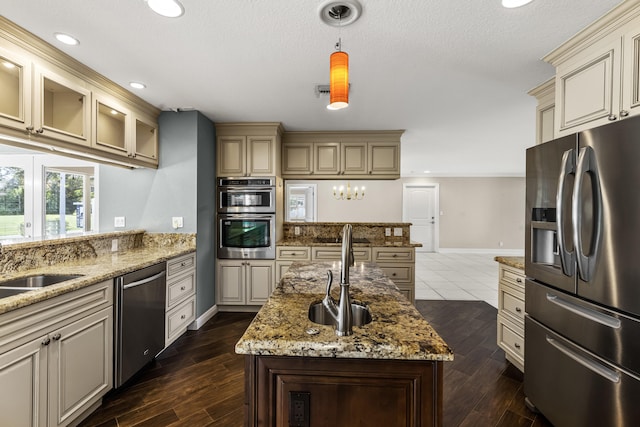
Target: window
point(32, 202)
point(300, 202)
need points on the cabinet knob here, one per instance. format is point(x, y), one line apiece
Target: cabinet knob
point(519, 280)
point(183, 317)
point(518, 309)
point(182, 288)
point(56, 337)
point(182, 264)
point(41, 130)
point(393, 274)
point(395, 255)
point(624, 113)
point(29, 129)
point(46, 341)
point(612, 117)
point(516, 345)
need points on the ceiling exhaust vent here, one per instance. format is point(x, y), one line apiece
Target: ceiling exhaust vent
point(325, 90)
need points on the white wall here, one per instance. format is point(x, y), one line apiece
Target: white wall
point(477, 212)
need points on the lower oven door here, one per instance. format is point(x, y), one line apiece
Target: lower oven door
point(247, 236)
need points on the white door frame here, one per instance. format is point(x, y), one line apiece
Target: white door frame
point(436, 204)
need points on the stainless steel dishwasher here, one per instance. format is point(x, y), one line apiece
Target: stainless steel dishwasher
point(139, 320)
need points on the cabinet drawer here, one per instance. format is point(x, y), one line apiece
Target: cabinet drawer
point(179, 265)
point(180, 288)
point(179, 318)
point(393, 254)
point(300, 253)
point(512, 276)
point(511, 338)
point(329, 253)
point(399, 273)
point(512, 302)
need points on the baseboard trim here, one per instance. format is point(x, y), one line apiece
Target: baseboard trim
point(206, 316)
point(497, 252)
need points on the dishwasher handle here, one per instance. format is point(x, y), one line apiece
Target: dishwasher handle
point(143, 281)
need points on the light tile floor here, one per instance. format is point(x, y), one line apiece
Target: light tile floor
point(457, 276)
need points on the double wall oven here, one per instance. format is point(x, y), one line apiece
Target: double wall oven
point(246, 218)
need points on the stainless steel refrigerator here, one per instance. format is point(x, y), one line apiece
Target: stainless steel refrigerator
point(582, 262)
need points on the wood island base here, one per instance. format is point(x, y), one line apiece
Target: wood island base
point(342, 392)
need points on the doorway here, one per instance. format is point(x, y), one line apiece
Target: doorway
point(420, 207)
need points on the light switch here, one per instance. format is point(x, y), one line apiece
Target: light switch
point(118, 221)
point(387, 231)
point(296, 230)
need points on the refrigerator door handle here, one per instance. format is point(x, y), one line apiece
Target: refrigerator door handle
point(586, 164)
point(567, 258)
point(592, 315)
point(597, 368)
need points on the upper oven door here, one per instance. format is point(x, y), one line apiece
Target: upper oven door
point(246, 199)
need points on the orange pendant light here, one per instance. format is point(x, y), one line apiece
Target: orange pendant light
point(339, 81)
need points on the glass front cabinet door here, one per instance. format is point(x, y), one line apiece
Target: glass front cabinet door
point(15, 88)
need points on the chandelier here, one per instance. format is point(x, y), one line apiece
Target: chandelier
point(347, 194)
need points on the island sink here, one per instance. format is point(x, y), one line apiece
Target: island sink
point(360, 314)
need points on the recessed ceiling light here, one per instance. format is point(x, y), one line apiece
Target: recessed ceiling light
point(67, 39)
point(137, 85)
point(514, 3)
point(168, 8)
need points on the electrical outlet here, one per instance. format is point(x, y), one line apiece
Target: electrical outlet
point(501, 244)
point(177, 222)
point(299, 408)
point(118, 221)
point(114, 245)
point(397, 231)
point(296, 230)
point(387, 231)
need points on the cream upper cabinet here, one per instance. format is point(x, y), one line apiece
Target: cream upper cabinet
point(61, 106)
point(545, 110)
point(348, 154)
point(15, 87)
point(53, 102)
point(597, 72)
point(248, 149)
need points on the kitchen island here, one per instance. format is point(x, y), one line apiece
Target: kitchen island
point(389, 372)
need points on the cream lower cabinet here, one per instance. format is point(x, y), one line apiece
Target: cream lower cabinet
point(241, 282)
point(511, 314)
point(334, 253)
point(399, 266)
point(181, 296)
point(56, 357)
point(287, 255)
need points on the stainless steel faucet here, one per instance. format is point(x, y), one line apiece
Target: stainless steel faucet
point(341, 312)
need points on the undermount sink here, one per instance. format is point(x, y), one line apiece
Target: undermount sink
point(359, 312)
point(37, 281)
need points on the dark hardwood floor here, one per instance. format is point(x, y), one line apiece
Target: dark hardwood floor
point(198, 380)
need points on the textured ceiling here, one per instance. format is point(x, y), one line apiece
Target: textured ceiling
point(453, 73)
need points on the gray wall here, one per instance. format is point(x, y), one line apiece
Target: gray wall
point(183, 185)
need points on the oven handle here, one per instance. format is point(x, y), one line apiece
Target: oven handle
point(244, 189)
point(143, 281)
point(247, 216)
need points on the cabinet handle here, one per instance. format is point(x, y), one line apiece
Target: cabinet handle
point(56, 337)
point(395, 255)
point(46, 341)
point(612, 117)
point(624, 113)
point(519, 280)
point(516, 345)
point(293, 254)
point(518, 309)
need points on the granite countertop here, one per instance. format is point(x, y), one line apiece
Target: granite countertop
point(94, 270)
point(397, 331)
point(310, 241)
point(511, 261)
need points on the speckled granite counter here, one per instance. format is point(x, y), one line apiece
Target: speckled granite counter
point(397, 331)
point(512, 261)
point(88, 256)
point(310, 241)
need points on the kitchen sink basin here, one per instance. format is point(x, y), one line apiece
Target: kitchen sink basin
point(359, 313)
point(37, 281)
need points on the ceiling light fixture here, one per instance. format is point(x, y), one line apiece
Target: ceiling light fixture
point(137, 85)
point(510, 4)
point(340, 194)
point(333, 14)
point(67, 39)
point(168, 8)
